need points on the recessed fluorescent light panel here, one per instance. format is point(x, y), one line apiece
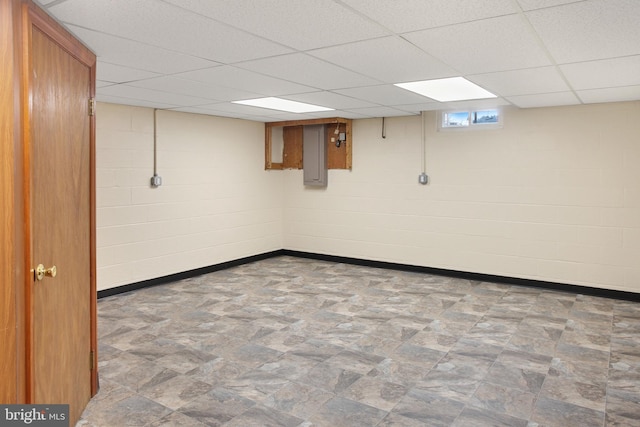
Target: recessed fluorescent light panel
point(446, 90)
point(280, 104)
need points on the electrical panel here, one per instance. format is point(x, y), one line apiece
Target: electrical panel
point(314, 156)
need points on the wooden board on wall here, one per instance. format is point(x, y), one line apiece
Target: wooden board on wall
point(336, 156)
point(292, 152)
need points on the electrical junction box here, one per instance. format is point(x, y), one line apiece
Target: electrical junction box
point(156, 181)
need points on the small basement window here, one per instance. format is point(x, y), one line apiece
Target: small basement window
point(471, 119)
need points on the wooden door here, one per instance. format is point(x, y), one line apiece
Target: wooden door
point(60, 209)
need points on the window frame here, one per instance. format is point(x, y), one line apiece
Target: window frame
point(470, 126)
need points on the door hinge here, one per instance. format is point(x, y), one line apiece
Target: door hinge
point(92, 106)
point(92, 360)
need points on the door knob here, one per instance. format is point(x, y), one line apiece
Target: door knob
point(40, 272)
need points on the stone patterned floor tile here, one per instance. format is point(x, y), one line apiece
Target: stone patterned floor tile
point(260, 416)
point(374, 392)
point(434, 340)
point(474, 417)
point(216, 407)
point(357, 361)
point(176, 419)
point(448, 385)
point(175, 392)
point(526, 361)
point(289, 366)
point(393, 371)
point(476, 348)
point(132, 411)
point(344, 412)
point(423, 356)
point(516, 377)
point(504, 400)
point(428, 408)
point(588, 394)
point(623, 408)
point(330, 377)
point(554, 413)
point(538, 345)
point(297, 342)
point(463, 365)
point(395, 420)
point(583, 355)
point(300, 400)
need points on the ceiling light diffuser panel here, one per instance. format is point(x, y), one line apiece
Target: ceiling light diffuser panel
point(447, 90)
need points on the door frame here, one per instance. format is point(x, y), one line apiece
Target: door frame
point(12, 264)
point(33, 16)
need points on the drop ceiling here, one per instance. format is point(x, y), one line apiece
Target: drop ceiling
point(200, 55)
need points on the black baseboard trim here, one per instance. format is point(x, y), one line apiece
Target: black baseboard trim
point(561, 287)
point(187, 274)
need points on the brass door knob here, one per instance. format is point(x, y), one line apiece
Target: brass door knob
point(40, 272)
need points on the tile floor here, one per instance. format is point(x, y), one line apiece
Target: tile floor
point(296, 342)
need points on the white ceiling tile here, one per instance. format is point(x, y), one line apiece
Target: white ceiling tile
point(380, 112)
point(617, 94)
point(195, 89)
point(244, 110)
point(301, 24)
point(522, 82)
point(210, 112)
point(129, 101)
point(309, 71)
point(384, 95)
point(131, 92)
point(496, 44)
point(194, 110)
point(388, 59)
point(476, 103)
point(116, 50)
point(350, 115)
point(233, 77)
point(330, 99)
point(267, 119)
point(544, 100)
point(215, 51)
point(590, 30)
point(337, 113)
point(424, 106)
point(410, 15)
point(120, 74)
point(101, 83)
point(163, 25)
point(540, 4)
point(291, 116)
point(605, 73)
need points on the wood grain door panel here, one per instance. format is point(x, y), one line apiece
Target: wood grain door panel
point(60, 208)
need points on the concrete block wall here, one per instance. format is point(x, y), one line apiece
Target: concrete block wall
point(554, 195)
point(216, 203)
